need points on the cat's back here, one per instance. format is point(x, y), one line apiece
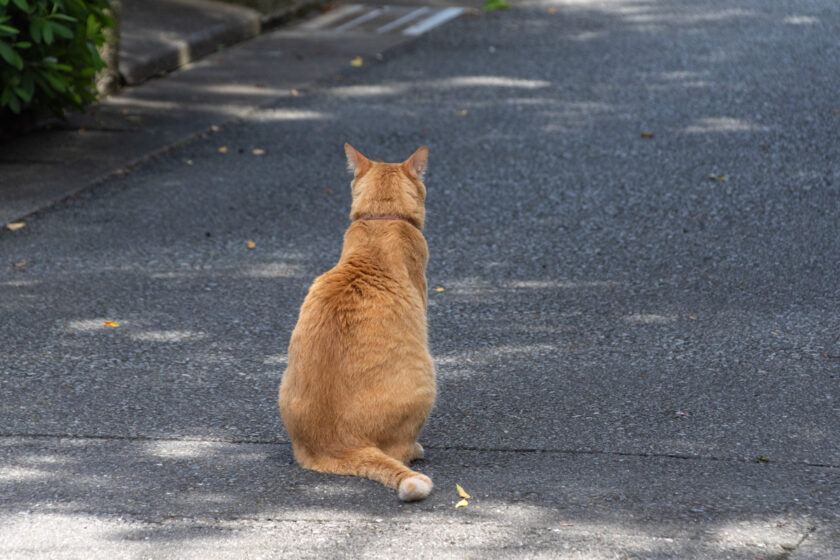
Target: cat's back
point(376, 291)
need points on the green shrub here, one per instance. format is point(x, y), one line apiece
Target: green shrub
point(48, 55)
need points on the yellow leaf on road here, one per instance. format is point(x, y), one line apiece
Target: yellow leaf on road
point(223, 150)
point(111, 324)
point(356, 61)
point(462, 503)
point(21, 263)
point(14, 226)
point(258, 152)
point(251, 244)
point(462, 492)
point(462, 112)
point(647, 134)
point(439, 289)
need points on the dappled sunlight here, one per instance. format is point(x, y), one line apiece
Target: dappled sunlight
point(723, 124)
point(801, 20)
point(649, 318)
point(176, 449)
point(21, 474)
point(273, 270)
point(167, 336)
point(399, 88)
point(91, 325)
point(20, 283)
point(276, 359)
point(293, 115)
point(565, 284)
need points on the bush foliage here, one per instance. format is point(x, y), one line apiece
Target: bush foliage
point(48, 53)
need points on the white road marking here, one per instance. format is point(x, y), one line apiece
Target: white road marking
point(362, 18)
point(332, 16)
point(404, 19)
point(431, 22)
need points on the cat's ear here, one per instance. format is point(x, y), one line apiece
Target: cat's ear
point(416, 164)
point(356, 162)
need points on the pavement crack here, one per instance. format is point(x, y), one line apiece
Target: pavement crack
point(563, 451)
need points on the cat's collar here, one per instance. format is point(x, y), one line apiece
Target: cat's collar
point(389, 217)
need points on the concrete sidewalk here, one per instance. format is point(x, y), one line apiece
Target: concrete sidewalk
point(212, 86)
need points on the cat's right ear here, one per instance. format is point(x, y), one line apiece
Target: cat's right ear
point(356, 162)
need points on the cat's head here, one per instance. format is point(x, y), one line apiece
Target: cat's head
point(388, 189)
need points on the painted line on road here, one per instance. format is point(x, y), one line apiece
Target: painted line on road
point(403, 20)
point(332, 16)
point(439, 18)
point(362, 18)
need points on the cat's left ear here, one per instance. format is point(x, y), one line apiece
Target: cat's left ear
point(416, 164)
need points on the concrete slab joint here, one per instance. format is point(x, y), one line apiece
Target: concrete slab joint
point(216, 25)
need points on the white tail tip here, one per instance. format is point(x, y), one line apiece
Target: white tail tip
point(415, 488)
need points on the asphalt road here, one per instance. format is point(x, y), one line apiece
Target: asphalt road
point(634, 211)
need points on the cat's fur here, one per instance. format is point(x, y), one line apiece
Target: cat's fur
point(360, 381)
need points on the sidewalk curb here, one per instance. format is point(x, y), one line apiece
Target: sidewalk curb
point(243, 23)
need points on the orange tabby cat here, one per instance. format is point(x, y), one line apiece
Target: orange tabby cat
point(360, 381)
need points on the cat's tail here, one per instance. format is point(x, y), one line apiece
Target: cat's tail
point(373, 463)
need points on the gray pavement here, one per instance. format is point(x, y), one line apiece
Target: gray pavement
point(636, 343)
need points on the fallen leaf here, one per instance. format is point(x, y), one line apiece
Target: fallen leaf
point(462, 503)
point(215, 128)
point(439, 289)
point(21, 263)
point(692, 317)
point(14, 226)
point(552, 10)
point(294, 93)
point(328, 191)
point(647, 134)
point(462, 112)
point(461, 491)
point(680, 414)
point(111, 324)
point(223, 150)
point(762, 459)
point(125, 111)
point(258, 152)
point(835, 111)
point(250, 244)
point(189, 162)
point(260, 85)
point(356, 61)
point(716, 177)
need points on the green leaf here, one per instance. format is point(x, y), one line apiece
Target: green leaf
point(5, 96)
point(10, 55)
point(64, 17)
point(23, 44)
point(22, 5)
point(57, 66)
point(4, 3)
point(491, 5)
point(8, 29)
point(46, 29)
point(57, 83)
point(60, 30)
point(23, 94)
point(35, 31)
